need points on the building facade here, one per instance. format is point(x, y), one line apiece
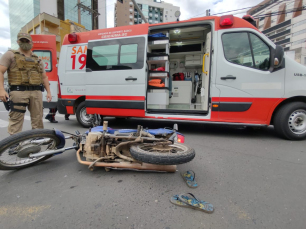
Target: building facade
point(90, 13)
point(47, 24)
point(154, 11)
point(284, 22)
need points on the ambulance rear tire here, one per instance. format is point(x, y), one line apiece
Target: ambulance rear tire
point(290, 121)
point(83, 118)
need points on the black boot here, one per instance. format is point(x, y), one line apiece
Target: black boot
point(48, 117)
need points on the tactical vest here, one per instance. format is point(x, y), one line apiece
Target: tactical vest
point(27, 71)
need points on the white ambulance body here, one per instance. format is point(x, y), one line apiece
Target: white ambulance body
point(245, 79)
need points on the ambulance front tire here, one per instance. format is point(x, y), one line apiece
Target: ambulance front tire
point(290, 121)
point(83, 118)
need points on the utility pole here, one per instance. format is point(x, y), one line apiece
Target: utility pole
point(92, 12)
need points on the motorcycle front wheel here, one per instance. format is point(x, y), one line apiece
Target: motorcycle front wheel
point(162, 154)
point(15, 149)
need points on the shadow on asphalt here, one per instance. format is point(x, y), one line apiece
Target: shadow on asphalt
point(198, 128)
point(216, 130)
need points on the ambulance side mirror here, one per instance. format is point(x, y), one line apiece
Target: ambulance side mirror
point(277, 57)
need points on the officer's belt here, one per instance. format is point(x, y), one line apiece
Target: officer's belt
point(25, 88)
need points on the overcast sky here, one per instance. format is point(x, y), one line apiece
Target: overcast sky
point(189, 9)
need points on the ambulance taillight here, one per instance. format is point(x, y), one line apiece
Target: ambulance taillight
point(226, 20)
point(72, 37)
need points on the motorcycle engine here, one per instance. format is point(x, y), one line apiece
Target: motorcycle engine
point(92, 148)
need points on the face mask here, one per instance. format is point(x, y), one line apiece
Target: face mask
point(25, 46)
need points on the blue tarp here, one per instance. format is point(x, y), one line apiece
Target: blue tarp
point(157, 35)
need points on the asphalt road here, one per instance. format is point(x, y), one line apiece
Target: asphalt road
point(253, 179)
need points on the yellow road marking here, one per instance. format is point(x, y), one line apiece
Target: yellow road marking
point(23, 212)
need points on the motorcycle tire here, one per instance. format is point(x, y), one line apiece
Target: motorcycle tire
point(143, 153)
point(12, 140)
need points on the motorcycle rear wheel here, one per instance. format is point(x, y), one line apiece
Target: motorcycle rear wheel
point(27, 141)
point(162, 155)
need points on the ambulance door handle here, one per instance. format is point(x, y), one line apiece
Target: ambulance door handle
point(229, 77)
point(130, 78)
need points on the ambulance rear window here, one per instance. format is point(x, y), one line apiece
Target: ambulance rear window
point(45, 56)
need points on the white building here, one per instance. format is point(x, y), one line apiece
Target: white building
point(284, 22)
point(154, 11)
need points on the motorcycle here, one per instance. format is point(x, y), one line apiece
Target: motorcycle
point(134, 149)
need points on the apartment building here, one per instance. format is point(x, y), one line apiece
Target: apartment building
point(89, 13)
point(47, 24)
point(154, 11)
point(284, 22)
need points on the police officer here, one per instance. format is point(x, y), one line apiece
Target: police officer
point(26, 77)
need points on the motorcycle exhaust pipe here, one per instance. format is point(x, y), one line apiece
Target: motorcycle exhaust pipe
point(50, 152)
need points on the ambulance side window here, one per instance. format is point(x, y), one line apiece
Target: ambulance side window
point(105, 55)
point(246, 49)
point(261, 53)
point(237, 48)
point(128, 54)
point(116, 54)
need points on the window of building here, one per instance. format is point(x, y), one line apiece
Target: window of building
point(37, 30)
point(281, 30)
point(246, 49)
point(116, 54)
point(280, 38)
point(270, 34)
point(31, 32)
point(45, 56)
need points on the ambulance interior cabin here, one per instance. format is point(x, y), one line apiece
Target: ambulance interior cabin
point(176, 81)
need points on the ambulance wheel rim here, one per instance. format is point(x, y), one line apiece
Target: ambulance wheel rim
point(297, 122)
point(86, 118)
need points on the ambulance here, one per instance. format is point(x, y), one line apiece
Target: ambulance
point(44, 46)
point(229, 73)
